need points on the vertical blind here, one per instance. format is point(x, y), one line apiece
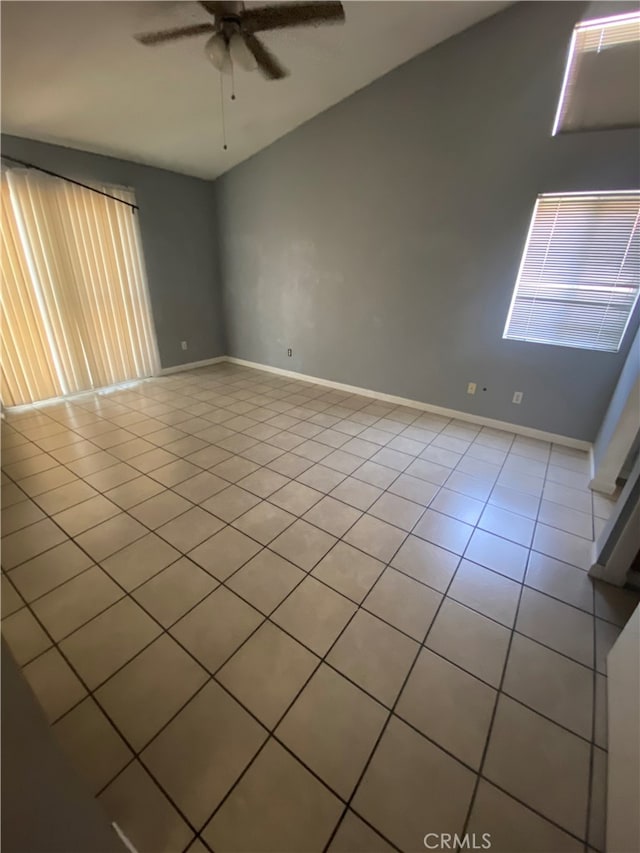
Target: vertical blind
point(601, 86)
point(580, 272)
point(76, 312)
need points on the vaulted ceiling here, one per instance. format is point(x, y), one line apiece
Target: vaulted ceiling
point(72, 74)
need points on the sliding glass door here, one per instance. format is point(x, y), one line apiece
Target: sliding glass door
point(75, 307)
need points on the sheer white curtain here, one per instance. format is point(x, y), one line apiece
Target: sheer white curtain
point(76, 312)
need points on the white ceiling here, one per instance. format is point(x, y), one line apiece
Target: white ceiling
point(72, 74)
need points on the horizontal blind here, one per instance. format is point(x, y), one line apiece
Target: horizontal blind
point(601, 85)
point(580, 273)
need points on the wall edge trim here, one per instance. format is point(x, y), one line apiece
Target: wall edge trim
point(191, 365)
point(529, 432)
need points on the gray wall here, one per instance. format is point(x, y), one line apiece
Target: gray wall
point(381, 240)
point(177, 219)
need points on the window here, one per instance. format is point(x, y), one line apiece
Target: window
point(601, 87)
point(580, 272)
point(74, 304)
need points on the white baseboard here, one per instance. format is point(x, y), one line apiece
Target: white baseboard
point(529, 432)
point(191, 365)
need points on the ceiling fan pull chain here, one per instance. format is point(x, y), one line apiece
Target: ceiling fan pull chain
point(224, 129)
point(233, 83)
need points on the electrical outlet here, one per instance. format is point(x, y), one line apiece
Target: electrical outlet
point(289, 352)
point(518, 397)
point(183, 344)
point(471, 388)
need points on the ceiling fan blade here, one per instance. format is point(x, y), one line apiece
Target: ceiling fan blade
point(291, 15)
point(267, 63)
point(176, 33)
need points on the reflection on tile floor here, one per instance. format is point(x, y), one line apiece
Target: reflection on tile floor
point(261, 615)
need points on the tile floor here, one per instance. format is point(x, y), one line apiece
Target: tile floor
point(264, 616)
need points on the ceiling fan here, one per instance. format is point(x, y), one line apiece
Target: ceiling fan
point(233, 31)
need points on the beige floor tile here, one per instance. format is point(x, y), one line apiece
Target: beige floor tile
point(565, 518)
point(215, 628)
point(267, 672)
point(190, 529)
point(426, 562)
point(140, 561)
point(404, 603)
point(466, 484)
point(335, 746)
point(517, 502)
point(230, 503)
point(606, 635)
point(560, 580)
point(104, 539)
point(263, 482)
point(413, 489)
point(107, 642)
point(114, 475)
point(397, 510)
point(10, 599)
point(598, 801)
point(354, 836)
point(54, 683)
point(67, 607)
point(457, 505)
point(375, 537)
point(540, 764)
point(203, 750)
point(264, 522)
point(173, 591)
point(81, 517)
point(45, 481)
point(152, 460)
point(143, 812)
point(488, 592)
point(224, 552)
point(303, 544)
point(550, 684)
point(266, 580)
point(160, 509)
point(600, 736)
point(398, 797)
point(507, 524)
point(512, 826)
point(295, 497)
point(314, 615)
point(27, 543)
point(444, 531)
point(563, 546)
point(46, 571)
point(201, 487)
point(615, 604)
point(92, 745)
point(278, 806)
point(448, 705)
point(24, 635)
point(376, 475)
point(208, 457)
point(290, 465)
point(234, 468)
point(140, 698)
point(564, 496)
point(374, 656)
point(333, 516)
point(430, 471)
point(349, 571)
point(134, 492)
point(556, 625)
point(321, 478)
point(469, 640)
point(175, 472)
point(20, 515)
point(496, 553)
point(356, 493)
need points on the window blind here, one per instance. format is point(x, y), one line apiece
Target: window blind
point(580, 272)
point(601, 86)
point(76, 312)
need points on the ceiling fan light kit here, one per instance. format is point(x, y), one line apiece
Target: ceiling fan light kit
point(233, 31)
